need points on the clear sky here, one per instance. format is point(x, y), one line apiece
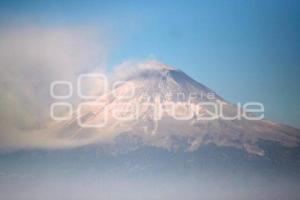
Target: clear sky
point(243, 50)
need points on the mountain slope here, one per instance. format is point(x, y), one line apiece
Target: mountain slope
point(166, 109)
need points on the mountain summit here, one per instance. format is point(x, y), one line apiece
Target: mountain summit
point(158, 105)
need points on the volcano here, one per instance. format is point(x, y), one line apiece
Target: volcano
point(147, 138)
point(160, 106)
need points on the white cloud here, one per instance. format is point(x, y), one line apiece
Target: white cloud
point(131, 68)
point(31, 58)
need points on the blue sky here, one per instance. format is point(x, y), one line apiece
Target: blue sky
point(244, 50)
